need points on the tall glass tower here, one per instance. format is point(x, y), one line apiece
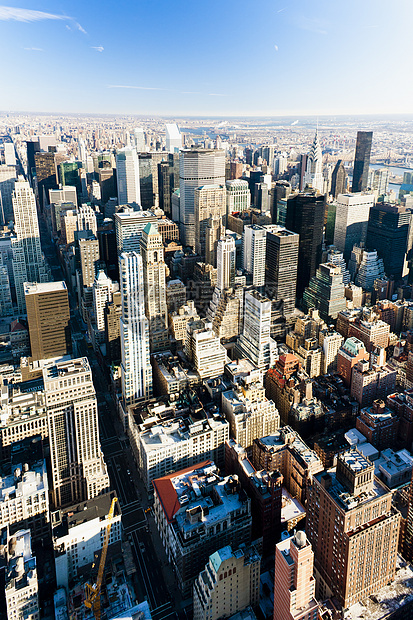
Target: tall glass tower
point(362, 161)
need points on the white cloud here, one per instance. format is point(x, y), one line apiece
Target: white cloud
point(9, 13)
point(98, 48)
point(135, 87)
point(216, 95)
point(33, 49)
point(276, 48)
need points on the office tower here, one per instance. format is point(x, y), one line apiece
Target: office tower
point(389, 232)
point(314, 172)
point(294, 584)
point(338, 179)
point(134, 331)
point(107, 184)
point(281, 266)
point(48, 316)
point(64, 194)
point(179, 318)
point(226, 259)
point(362, 161)
point(165, 190)
point(129, 225)
point(89, 259)
point(7, 181)
point(78, 469)
point(175, 295)
point(112, 316)
point(350, 353)
point(336, 258)
point(102, 294)
point(154, 277)
point(326, 292)
point(236, 170)
point(32, 148)
point(86, 219)
point(215, 230)
point(197, 167)
point(353, 529)
point(229, 583)
point(279, 164)
point(204, 350)
point(173, 138)
point(21, 585)
point(371, 268)
point(379, 180)
point(78, 538)
point(305, 216)
point(254, 239)
point(127, 177)
point(46, 175)
point(9, 154)
point(139, 136)
point(69, 175)
point(238, 195)
point(255, 342)
point(352, 215)
point(209, 201)
point(279, 190)
point(331, 342)
point(28, 260)
point(222, 502)
point(6, 304)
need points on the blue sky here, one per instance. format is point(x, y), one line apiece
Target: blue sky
point(216, 57)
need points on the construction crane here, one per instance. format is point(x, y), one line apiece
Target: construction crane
point(92, 592)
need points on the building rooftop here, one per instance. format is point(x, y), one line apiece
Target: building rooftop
point(340, 493)
point(34, 288)
point(291, 508)
point(96, 508)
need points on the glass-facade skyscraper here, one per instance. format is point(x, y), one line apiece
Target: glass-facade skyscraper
point(362, 161)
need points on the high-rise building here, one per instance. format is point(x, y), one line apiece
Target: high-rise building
point(352, 215)
point(281, 266)
point(86, 219)
point(48, 316)
point(338, 179)
point(389, 231)
point(134, 331)
point(127, 176)
point(154, 277)
point(326, 292)
point(314, 172)
point(294, 584)
point(229, 583)
point(204, 349)
point(226, 259)
point(140, 142)
point(89, 259)
point(353, 529)
point(255, 342)
point(305, 216)
point(379, 180)
point(78, 469)
point(209, 201)
point(6, 304)
point(113, 313)
point(69, 175)
point(197, 167)
point(129, 225)
point(254, 240)
point(7, 181)
point(46, 175)
point(173, 138)
point(214, 231)
point(362, 161)
point(21, 585)
point(28, 260)
point(238, 195)
point(102, 294)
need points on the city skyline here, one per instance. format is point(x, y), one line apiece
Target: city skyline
point(175, 67)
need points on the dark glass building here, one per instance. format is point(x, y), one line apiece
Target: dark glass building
point(281, 266)
point(46, 174)
point(388, 233)
point(69, 175)
point(362, 161)
point(338, 179)
point(305, 216)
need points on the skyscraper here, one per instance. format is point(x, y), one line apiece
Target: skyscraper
point(326, 291)
point(129, 225)
point(226, 258)
point(154, 277)
point(255, 342)
point(89, 259)
point(7, 181)
point(197, 167)
point(305, 216)
point(362, 161)
point(389, 231)
point(134, 331)
point(238, 195)
point(78, 469)
point(48, 316)
point(294, 584)
point(281, 266)
point(28, 261)
point(314, 172)
point(102, 294)
point(352, 528)
point(46, 174)
point(338, 179)
point(352, 215)
point(254, 239)
point(127, 176)
point(173, 138)
point(209, 200)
